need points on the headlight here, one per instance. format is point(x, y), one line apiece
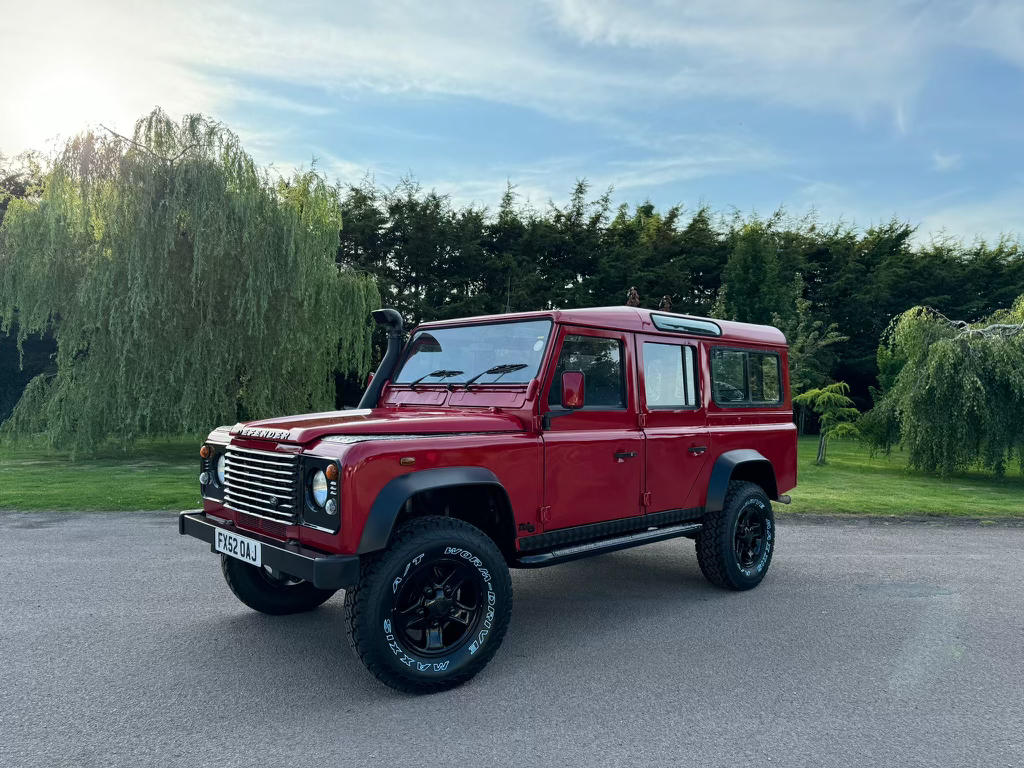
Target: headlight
point(318, 487)
point(220, 470)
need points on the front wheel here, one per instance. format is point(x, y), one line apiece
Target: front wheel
point(735, 546)
point(431, 610)
point(267, 592)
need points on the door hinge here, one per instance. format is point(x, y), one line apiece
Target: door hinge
point(641, 420)
point(544, 513)
point(645, 499)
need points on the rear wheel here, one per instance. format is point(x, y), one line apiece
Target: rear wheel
point(431, 610)
point(267, 592)
point(735, 546)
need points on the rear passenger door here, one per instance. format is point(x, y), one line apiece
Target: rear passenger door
point(593, 457)
point(675, 419)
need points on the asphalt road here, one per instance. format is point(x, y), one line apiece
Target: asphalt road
point(868, 644)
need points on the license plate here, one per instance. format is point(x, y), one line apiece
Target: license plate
point(246, 550)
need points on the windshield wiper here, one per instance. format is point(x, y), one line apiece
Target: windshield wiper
point(442, 373)
point(498, 370)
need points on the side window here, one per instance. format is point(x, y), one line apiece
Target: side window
point(742, 377)
point(600, 360)
point(764, 383)
point(669, 380)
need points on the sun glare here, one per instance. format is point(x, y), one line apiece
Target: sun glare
point(60, 100)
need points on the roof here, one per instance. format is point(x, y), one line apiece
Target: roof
point(623, 318)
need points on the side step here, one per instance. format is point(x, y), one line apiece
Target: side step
point(566, 554)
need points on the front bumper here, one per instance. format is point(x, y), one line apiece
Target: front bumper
point(322, 570)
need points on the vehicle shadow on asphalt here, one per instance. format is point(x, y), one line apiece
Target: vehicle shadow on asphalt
point(306, 657)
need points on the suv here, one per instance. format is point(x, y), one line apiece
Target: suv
point(490, 443)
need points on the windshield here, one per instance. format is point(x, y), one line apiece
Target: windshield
point(502, 353)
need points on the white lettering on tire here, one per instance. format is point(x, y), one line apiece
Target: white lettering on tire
point(487, 624)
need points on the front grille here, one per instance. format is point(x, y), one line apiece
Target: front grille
point(261, 524)
point(262, 483)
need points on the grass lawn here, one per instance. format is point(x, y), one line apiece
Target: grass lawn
point(853, 482)
point(163, 475)
point(156, 475)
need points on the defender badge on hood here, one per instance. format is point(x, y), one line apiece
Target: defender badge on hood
point(266, 434)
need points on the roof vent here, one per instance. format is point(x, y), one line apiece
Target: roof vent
point(685, 325)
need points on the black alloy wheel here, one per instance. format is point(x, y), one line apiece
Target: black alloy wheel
point(749, 541)
point(438, 606)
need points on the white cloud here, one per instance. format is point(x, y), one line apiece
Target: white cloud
point(849, 57)
point(596, 61)
point(990, 218)
point(952, 212)
point(690, 157)
point(592, 59)
point(676, 159)
point(946, 162)
point(852, 57)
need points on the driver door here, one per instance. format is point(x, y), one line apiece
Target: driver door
point(593, 456)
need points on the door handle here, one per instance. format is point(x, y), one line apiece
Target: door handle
point(620, 455)
point(696, 450)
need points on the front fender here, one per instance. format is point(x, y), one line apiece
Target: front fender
point(388, 504)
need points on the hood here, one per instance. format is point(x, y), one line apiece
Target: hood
point(376, 421)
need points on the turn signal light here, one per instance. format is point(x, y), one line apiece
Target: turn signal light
point(205, 451)
point(331, 472)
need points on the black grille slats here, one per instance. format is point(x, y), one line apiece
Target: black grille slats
point(262, 483)
point(263, 525)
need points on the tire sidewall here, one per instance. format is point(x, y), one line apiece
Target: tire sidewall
point(473, 651)
point(754, 574)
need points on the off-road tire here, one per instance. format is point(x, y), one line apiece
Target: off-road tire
point(716, 541)
point(264, 593)
point(374, 609)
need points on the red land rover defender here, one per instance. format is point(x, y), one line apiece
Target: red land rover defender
point(489, 443)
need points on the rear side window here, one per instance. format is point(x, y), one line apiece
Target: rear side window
point(744, 377)
point(669, 376)
point(600, 360)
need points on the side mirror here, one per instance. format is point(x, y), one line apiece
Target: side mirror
point(572, 390)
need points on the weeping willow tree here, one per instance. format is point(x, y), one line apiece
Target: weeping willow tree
point(184, 286)
point(952, 392)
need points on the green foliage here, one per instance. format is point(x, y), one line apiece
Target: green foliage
point(183, 286)
point(433, 259)
point(819, 282)
point(835, 410)
point(954, 392)
point(811, 341)
point(20, 177)
point(756, 286)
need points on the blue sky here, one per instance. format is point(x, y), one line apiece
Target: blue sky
point(861, 110)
